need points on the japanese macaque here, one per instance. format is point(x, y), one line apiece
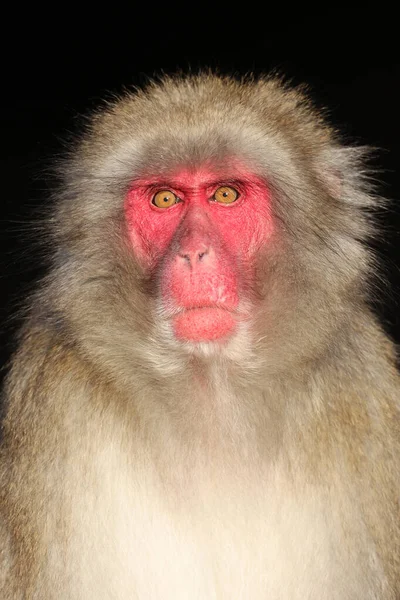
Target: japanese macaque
point(202, 405)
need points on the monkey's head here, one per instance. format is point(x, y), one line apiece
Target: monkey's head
point(208, 217)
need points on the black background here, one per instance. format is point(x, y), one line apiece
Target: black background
point(59, 65)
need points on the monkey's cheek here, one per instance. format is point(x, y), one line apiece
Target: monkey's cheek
point(203, 324)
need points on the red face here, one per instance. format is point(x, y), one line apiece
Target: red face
point(200, 230)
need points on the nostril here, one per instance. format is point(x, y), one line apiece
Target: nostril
point(202, 254)
point(185, 257)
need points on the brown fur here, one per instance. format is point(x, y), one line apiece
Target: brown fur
point(136, 467)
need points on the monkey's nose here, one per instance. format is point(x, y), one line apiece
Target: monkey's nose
point(193, 256)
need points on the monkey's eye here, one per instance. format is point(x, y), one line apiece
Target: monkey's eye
point(226, 195)
point(164, 199)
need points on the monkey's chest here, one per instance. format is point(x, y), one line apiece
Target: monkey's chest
point(235, 544)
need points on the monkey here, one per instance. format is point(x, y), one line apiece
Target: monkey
point(203, 404)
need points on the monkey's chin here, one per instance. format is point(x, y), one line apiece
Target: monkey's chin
point(204, 324)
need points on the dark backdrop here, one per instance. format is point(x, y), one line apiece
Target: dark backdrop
point(58, 65)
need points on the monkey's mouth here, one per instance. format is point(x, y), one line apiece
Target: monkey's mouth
point(204, 324)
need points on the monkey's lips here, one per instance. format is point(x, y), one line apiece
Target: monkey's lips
point(203, 324)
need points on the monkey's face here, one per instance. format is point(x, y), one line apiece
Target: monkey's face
point(199, 231)
point(208, 219)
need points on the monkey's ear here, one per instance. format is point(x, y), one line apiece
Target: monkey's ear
point(332, 178)
point(344, 172)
